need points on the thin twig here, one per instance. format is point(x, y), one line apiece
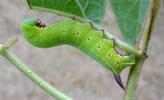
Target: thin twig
point(29, 73)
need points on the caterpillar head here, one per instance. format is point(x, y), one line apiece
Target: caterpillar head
point(29, 27)
point(33, 23)
point(31, 30)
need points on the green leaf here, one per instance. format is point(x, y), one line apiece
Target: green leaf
point(92, 10)
point(130, 16)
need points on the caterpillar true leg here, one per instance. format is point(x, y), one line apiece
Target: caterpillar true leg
point(74, 18)
point(103, 32)
point(92, 26)
point(40, 24)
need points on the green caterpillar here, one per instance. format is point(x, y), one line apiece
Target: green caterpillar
point(82, 36)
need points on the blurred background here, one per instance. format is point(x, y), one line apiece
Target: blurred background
point(68, 69)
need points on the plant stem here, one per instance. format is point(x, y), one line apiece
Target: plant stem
point(136, 69)
point(124, 45)
point(119, 43)
point(133, 79)
point(34, 77)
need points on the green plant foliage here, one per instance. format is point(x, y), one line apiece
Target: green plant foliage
point(92, 10)
point(130, 15)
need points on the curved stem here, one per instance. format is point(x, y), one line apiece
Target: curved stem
point(120, 43)
point(125, 46)
point(34, 77)
point(136, 69)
